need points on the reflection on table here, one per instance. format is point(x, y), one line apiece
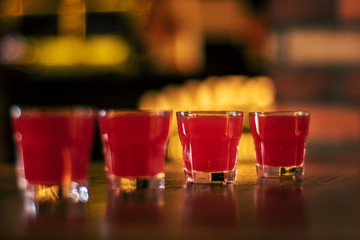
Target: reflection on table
point(212, 206)
point(325, 205)
point(280, 204)
point(54, 219)
point(134, 212)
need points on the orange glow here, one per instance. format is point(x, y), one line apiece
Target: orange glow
point(11, 8)
point(34, 7)
point(47, 193)
point(71, 15)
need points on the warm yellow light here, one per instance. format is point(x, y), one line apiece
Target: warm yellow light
point(174, 152)
point(70, 51)
point(246, 148)
point(214, 93)
point(46, 193)
point(264, 92)
point(128, 184)
point(62, 51)
point(204, 97)
point(104, 50)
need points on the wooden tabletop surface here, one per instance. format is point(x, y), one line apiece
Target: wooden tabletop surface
point(325, 205)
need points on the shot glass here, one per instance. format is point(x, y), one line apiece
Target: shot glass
point(280, 142)
point(53, 151)
point(134, 144)
point(210, 145)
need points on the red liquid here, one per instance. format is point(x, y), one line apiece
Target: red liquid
point(210, 142)
point(135, 144)
point(54, 146)
point(279, 140)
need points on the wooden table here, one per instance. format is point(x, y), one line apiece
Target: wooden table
point(325, 205)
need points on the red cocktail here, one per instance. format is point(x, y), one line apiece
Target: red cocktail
point(210, 144)
point(135, 146)
point(280, 141)
point(53, 150)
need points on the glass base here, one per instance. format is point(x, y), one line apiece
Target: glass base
point(75, 192)
point(78, 191)
point(129, 184)
point(294, 172)
point(223, 177)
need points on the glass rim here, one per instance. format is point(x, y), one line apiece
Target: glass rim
point(280, 113)
point(18, 110)
point(231, 113)
point(135, 112)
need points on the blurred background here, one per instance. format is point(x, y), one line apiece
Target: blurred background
point(250, 55)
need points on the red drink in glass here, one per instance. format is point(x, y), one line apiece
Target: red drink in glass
point(135, 146)
point(210, 142)
point(280, 142)
point(53, 150)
